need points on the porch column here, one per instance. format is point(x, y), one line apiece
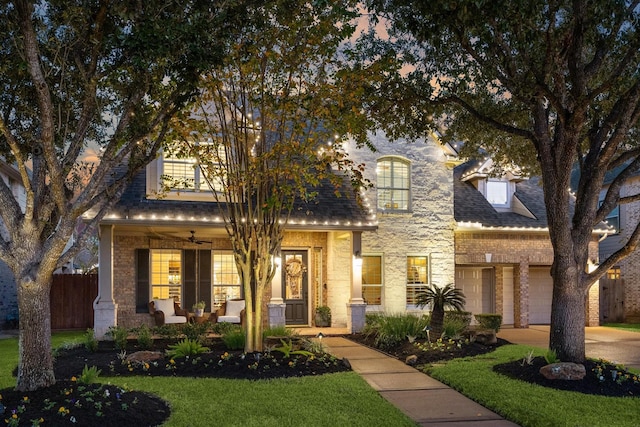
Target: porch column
point(105, 309)
point(276, 305)
point(356, 308)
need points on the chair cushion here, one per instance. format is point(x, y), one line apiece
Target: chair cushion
point(229, 319)
point(165, 306)
point(175, 319)
point(234, 308)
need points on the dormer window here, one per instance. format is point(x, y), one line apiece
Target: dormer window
point(498, 193)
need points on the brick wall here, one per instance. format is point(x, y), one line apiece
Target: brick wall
point(124, 268)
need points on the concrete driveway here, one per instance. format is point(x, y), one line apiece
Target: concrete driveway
point(611, 344)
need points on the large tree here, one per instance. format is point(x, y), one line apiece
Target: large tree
point(548, 85)
point(268, 130)
point(80, 76)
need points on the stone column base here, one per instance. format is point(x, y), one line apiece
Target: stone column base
point(356, 317)
point(277, 315)
point(105, 315)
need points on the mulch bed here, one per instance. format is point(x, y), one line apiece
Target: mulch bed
point(599, 379)
point(69, 402)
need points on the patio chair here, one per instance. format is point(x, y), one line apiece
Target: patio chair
point(232, 311)
point(167, 311)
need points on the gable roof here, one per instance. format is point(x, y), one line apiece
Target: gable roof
point(327, 211)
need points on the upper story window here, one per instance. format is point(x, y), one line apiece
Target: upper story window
point(498, 193)
point(188, 174)
point(394, 184)
point(613, 217)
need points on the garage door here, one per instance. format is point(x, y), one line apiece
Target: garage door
point(477, 292)
point(540, 295)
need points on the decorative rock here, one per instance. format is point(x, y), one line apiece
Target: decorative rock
point(144, 356)
point(563, 371)
point(485, 336)
point(411, 360)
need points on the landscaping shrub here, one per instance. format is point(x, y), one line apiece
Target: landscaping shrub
point(144, 337)
point(195, 331)
point(119, 336)
point(489, 321)
point(235, 339)
point(168, 332)
point(223, 328)
point(395, 328)
point(454, 326)
point(461, 316)
point(278, 331)
point(186, 347)
point(90, 341)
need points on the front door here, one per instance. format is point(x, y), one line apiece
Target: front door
point(295, 286)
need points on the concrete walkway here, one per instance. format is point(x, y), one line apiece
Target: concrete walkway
point(427, 401)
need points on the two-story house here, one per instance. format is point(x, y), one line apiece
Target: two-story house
point(428, 222)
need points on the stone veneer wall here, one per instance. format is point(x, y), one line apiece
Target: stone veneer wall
point(426, 230)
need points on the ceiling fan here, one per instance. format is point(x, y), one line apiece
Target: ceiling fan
point(193, 239)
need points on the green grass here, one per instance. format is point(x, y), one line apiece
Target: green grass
point(327, 400)
point(529, 404)
point(634, 327)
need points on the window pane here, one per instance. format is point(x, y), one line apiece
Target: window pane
point(393, 183)
point(226, 281)
point(417, 277)
point(497, 193)
point(166, 274)
point(372, 279)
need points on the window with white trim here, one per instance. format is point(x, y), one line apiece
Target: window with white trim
point(498, 193)
point(417, 277)
point(187, 174)
point(393, 182)
point(166, 274)
point(225, 280)
point(372, 279)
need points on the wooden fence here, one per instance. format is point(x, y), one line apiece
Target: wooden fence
point(72, 297)
point(611, 300)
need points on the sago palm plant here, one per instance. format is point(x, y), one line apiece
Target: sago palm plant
point(439, 299)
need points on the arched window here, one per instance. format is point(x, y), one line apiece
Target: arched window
point(394, 184)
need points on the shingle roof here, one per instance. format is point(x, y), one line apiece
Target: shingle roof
point(471, 206)
point(327, 210)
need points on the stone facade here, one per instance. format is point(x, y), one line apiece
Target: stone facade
point(426, 229)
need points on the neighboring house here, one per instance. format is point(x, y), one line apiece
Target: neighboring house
point(621, 284)
point(8, 291)
point(503, 250)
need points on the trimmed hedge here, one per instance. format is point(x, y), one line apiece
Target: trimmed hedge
point(489, 321)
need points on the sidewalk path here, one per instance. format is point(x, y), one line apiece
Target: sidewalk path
point(427, 401)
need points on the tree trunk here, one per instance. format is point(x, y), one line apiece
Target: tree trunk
point(35, 365)
point(567, 312)
point(437, 321)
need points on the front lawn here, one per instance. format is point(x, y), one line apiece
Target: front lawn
point(528, 404)
point(324, 400)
